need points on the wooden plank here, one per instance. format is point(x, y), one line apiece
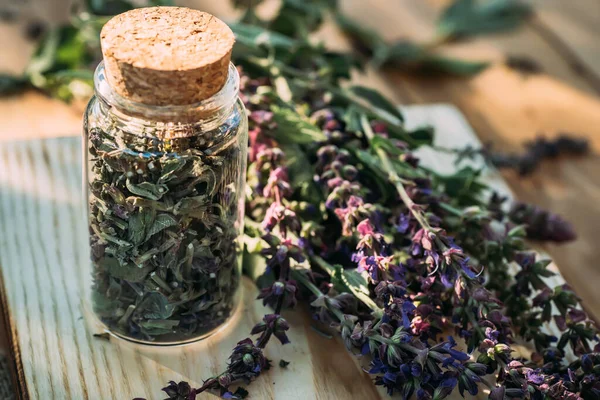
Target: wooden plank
point(43, 254)
point(572, 28)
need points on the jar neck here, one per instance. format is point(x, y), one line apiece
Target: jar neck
point(202, 116)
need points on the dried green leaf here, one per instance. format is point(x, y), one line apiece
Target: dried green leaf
point(158, 326)
point(152, 191)
point(129, 272)
point(155, 306)
point(162, 222)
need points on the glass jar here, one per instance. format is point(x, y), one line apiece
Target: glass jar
point(165, 195)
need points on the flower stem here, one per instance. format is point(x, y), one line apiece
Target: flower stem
point(364, 298)
point(393, 176)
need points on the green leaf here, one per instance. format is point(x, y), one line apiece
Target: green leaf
point(437, 64)
point(341, 64)
point(10, 84)
point(108, 7)
point(138, 225)
point(464, 185)
point(155, 305)
point(256, 36)
point(162, 222)
point(129, 272)
point(385, 144)
point(422, 136)
point(372, 162)
point(45, 56)
point(471, 17)
point(159, 326)
point(189, 205)
point(294, 128)
point(147, 190)
point(170, 168)
point(351, 117)
point(410, 56)
point(298, 18)
point(364, 39)
point(376, 99)
point(301, 172)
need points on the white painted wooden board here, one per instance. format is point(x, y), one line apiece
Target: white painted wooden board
point(44, 267)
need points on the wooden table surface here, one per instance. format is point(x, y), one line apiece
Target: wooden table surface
point(503, 106)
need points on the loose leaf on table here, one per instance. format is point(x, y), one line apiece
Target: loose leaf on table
point(471, 17)
point(407, 55)
point(10, 84)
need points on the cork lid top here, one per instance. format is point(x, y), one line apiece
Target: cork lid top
point(166, 55)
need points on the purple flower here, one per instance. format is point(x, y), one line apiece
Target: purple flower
point(403, 223)
point(365, 228)
point(279, 215)
point(326, 305)
point(446, 387)
point(541, 224)
point(280, 251)
point(273, 293)
point(274, 324)
point(261, 117)
point(247, 360)
point(388, 381)
point(535, 377)
point(576, 315)
point(497, 393)
point(179, 391)
point(277, 179)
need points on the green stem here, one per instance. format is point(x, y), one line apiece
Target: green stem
point(393, 176)
point(364, 298)
point(450, 209)
point(315, 290)
point(308, 284)
point(312, 80)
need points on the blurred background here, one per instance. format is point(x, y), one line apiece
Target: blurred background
point(536, 76)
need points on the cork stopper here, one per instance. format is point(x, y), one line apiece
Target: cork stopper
point(166, 55)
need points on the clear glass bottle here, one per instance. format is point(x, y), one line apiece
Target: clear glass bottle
point(165, 195)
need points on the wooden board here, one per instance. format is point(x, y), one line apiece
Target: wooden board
point(44, 263)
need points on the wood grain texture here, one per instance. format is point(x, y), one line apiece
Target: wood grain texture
point(44, 258)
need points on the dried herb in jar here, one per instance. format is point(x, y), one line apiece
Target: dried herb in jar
point(165, 198)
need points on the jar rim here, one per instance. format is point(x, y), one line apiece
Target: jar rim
point(223, 99)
